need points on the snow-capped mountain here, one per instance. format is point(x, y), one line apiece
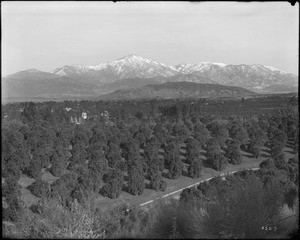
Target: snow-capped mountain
point(252, 77)
point(201, 67)
point(248, 76)
point(131, 66)
point(71, 70)
point(135, 66)
point(132, 71)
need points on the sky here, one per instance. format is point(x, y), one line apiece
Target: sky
point(47, 35)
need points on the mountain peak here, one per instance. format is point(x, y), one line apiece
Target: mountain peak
point(71, 70)
point(31, 73)
point(274, 69)
point(27, 71)
point(33, 70)
point(214, 63)
point(133, 57)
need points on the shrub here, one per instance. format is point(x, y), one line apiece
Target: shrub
point(55, 221)
point(157, 183)
point(267, 164)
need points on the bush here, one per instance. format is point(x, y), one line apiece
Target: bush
point(14, 211)
point(191, 195)
point(244, 211)
point(157, 183)
point(163, 221)
point(267, 164)
point(55, 221)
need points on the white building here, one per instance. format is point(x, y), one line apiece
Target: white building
point(84, 115)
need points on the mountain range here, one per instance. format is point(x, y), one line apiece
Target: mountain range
point(134, 72)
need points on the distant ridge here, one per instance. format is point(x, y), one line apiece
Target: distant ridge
point(133, 71)
point(171, 90)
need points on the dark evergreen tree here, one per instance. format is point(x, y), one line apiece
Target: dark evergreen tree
point(59, 161)
point(113, 154)
point(279, 161)
point(62, 188)
point(114, 183)
point(151, 149)
point(40, 188)
point(241, 135)
point(175, 167)
point(195, 168)
point(192, 150)
point(171, 152)
point(157, 183)
point(233, 153)
point(35, 167)
point(78, 155)
point(215, 158)
point(222, 134)
point(136, 183)
point(98, 165)
point(181, 131)
point(161, 133)
point(257, 141)
point(201, 134)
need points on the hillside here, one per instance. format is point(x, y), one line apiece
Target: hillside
point(179, 90)
point(34, 83)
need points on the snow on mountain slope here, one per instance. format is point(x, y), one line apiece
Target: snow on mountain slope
point(253, 77)
point(71, 70)
point(135, 66)
point(131, 66)
point(274, 69)
point(190, 68)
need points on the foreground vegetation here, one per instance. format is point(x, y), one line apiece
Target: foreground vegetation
point(246, 205)
point(130, 146)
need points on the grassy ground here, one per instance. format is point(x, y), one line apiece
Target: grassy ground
point(172, 185)
point(26, 181)
point(26, 195)
point(184, 180)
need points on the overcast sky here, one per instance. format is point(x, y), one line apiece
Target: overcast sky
point(46, 35)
